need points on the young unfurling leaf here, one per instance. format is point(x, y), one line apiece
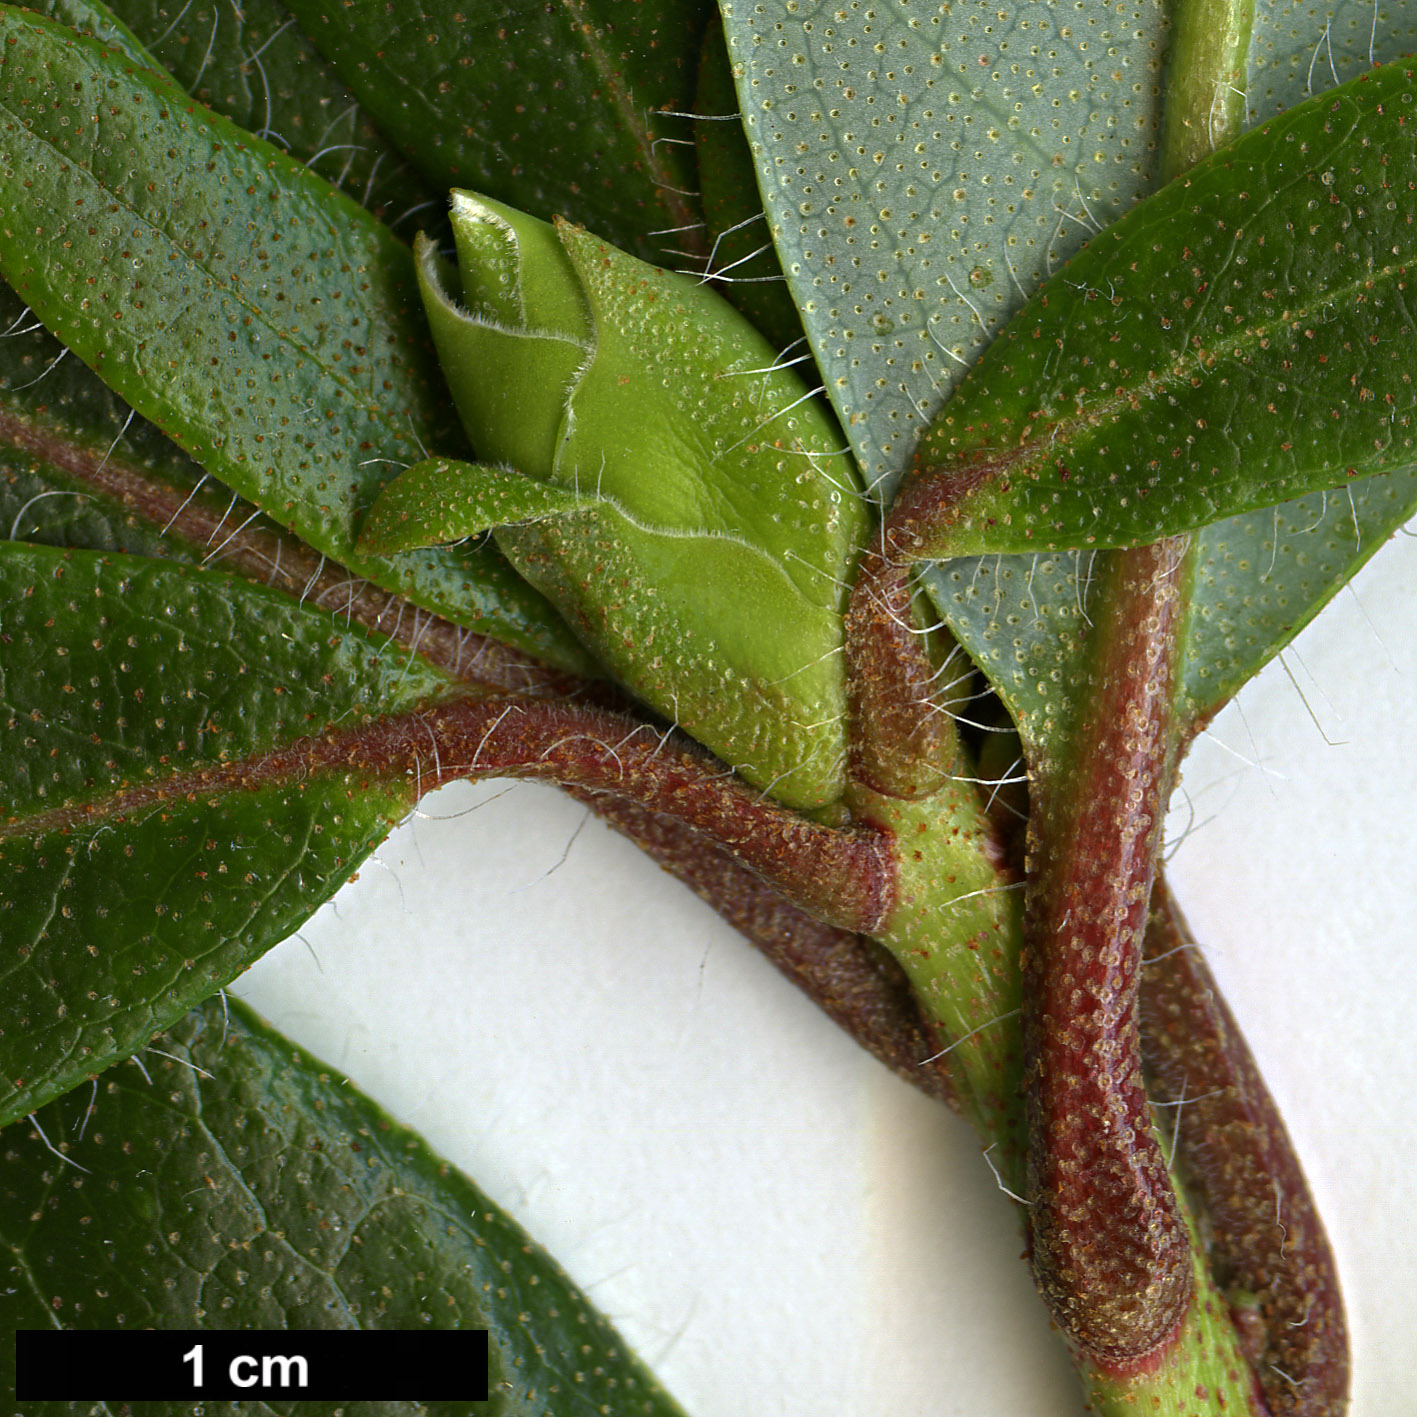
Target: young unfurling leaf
point(442, 500)
point(704, 524)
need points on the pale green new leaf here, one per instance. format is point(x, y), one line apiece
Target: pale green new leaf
point(442, 500)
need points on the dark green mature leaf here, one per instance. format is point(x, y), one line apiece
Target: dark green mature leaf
point(546, 107)
point(1260, 577)
point(78, 467)
point(1239, 339)
point(1263, 576)
point(164, 818)
point(252, 64)
point(740, 260)
point(233, 1182)
point(56, 413)
point(926, 166)
point(94, 18)
point(264, 321)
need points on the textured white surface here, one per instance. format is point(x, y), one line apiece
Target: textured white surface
point(781, 1227)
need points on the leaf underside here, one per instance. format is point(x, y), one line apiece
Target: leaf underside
point(925, 171)
point(1262, 576)
point(1186, 367)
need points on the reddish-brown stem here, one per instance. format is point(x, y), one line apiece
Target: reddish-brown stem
point(839, 969)
point(857, 984)
point(842, 876)
point(264, 554)
point(928, 502)
point(1271, 1258)
point(1266, 1243)
point(1110, 1249)
point(901, 746)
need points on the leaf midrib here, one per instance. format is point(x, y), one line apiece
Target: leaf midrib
point(1031, 451)
point(264, 554)
point(299, 760)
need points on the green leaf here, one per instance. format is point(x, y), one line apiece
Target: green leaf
point(1020, 617)
point(545, 107)
point(262, 320)
point(925, 170)
point(252, 64)
point(1237, 340)
point(167, 814)
point(57, 420)
point(711, 524)
point(741, 262)
point(78, 467)
point(441, 500)
point(739, 443)
point(233, 1182)
point(94, 18)
point(1260, 577)
point(1299, 48)
point(728, 531)
point(512, 347)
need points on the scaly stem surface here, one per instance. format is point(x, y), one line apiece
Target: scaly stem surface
point(956, 928)
point(1110, 1250)
point(1266, 1244)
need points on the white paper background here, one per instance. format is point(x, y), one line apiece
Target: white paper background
point(781, 1227)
